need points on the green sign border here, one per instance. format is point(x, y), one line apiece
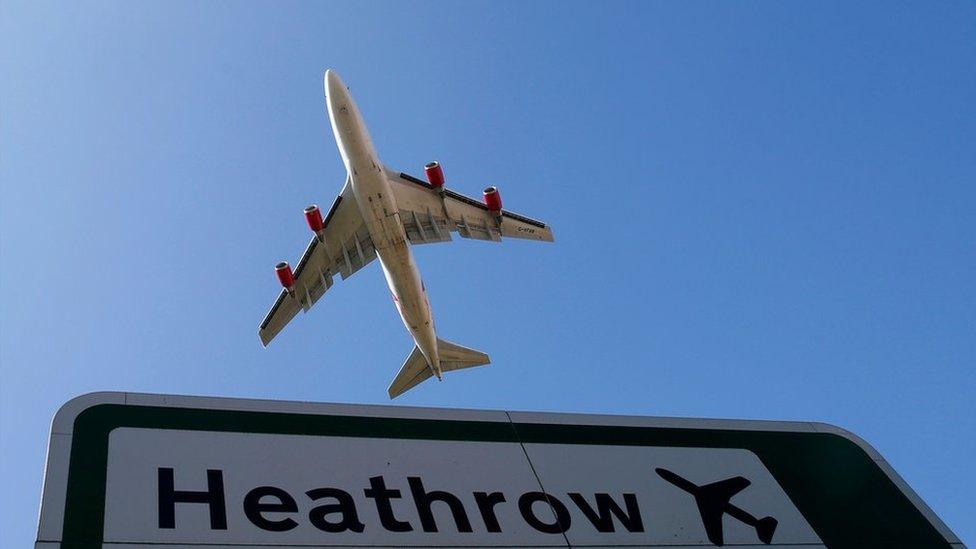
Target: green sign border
point(841, 492)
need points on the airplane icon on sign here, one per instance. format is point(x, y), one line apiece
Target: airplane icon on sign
point(713, 504)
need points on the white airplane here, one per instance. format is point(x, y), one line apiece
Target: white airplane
point(380, 213)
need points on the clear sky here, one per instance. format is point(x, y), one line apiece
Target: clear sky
point(762, 210)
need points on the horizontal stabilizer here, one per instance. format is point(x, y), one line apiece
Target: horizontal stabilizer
point(765, 528)
point(456, 357)
point(415, 369)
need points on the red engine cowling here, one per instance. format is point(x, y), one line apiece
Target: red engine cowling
point(435, 175)
point(287, 278)
point(314, 217)
point(493, 200)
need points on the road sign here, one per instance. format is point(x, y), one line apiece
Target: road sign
point(137, 471)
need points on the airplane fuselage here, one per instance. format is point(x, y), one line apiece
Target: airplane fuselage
point(379, 210)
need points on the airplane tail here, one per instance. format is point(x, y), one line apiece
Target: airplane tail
point(765, 529)
point(415, 369)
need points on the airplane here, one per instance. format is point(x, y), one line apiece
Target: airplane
point(713, 503)
point(381, 213)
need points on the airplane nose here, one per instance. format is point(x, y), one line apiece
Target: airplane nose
point(333, 83)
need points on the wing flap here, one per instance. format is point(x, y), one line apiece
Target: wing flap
point(354, 253)
point(425, 227)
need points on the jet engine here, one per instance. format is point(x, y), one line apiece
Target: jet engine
point(285, 276)
point(314, 218)
point(493, 200)
point(435, 175)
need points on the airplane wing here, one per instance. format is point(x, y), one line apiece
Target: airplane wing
point(712, 519)
point(428, 219)
point(343, 247)
point(712, 500)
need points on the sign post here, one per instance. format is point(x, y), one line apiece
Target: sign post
point(138, 471)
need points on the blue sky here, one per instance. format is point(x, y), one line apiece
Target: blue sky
point(762, 210)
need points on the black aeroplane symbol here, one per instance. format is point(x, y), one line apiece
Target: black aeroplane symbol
point(713, 503)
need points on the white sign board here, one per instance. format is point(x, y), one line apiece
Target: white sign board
point(139, 471)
